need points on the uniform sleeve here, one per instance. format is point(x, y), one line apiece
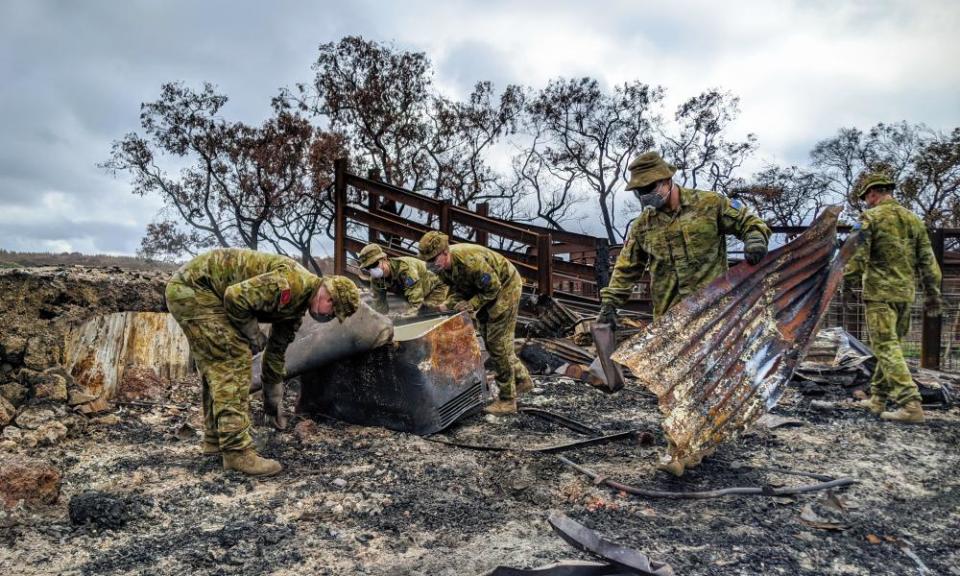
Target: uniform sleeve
point(263, 293)
point(737, 219)
point(486, 282)
point(281, 335)
point(629, 267)
point(853, 272)
point(927, 264)
point(412, 287)
point(379, 290)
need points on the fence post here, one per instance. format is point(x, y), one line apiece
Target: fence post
point(930, 339)
point(545, 264)
point(602, 264)
point(373, 204)
point(445, 225)
point(483, 209)
point(340, 216)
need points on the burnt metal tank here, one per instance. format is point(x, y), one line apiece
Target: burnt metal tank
point(428, 377)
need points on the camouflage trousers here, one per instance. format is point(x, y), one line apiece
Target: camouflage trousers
point(498, 323)
point(887, 324)
point(223, 359)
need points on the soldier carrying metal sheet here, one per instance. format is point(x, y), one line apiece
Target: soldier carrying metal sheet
point(218, 298)
point(680, 238)
point(484, 282)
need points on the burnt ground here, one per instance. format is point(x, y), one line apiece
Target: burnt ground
point(357, 500)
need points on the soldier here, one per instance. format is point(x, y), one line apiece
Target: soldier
point(895, 248)
point(484, 282)
point(680, 238)
point(403, 275)
point(218, 298)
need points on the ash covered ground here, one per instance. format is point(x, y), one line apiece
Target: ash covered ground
point(355, 500)
point(138, 498)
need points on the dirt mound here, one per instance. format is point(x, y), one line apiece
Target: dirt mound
point(38, 309)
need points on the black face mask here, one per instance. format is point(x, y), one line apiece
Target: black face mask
point(648, 197)
point(322, 318)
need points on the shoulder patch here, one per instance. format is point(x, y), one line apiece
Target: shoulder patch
point(284, 297)
point(857, 225)
point(736, 203)
point(485, 280)
point(408, 281)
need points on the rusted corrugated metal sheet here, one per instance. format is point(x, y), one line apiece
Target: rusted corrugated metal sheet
point(105, 350)
point(719, 359)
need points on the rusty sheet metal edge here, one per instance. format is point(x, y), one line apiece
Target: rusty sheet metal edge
point(719, 359)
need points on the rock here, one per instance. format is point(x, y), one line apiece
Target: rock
point(7, 411)
point(77, 396)
point(12, 433)
point(50, 433)
point(305, 431)
point(7, 445)
point(12, 348)
point(40, 354)
point(34, 417)
point(14, 392)
point(50, 387)
point(5, 368)
point(107, 420)
point(339, 482)
point(30, 480)
point(99, 508)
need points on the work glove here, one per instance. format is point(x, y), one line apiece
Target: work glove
point(608, 315)
point(256, 339)
point(754, 248)
point(933, 306)
point(463, 306)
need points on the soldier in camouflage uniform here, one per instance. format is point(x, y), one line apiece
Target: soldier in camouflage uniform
point(895, 248)
point(218, 298)
point(484, 282)
point(679, 236)
point(403, 275)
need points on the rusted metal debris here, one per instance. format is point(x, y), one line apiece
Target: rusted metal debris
point(719, 359)
point(583, 538)
point(428, 377)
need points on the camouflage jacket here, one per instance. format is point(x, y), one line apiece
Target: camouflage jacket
point(476, 275)
point(684, 251)
point(256, 287)
point(895, 247)
point(409, 277)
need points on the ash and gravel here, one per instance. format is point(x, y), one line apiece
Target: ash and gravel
point(355, 500)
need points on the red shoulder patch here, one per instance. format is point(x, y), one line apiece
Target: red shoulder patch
point(284, 297)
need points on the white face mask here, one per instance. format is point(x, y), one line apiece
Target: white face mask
point(376, 273)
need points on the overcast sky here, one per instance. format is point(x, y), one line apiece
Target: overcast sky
point(73, 75)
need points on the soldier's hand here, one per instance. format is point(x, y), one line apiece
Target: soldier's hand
point(754, 249)
point(933, 306)
point(463, 306)
point(608, 315)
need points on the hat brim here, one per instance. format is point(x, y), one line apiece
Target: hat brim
point(659, 172)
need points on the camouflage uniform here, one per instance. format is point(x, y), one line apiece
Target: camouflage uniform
point(895, 248)
point(486, 282)
point(409, 277)
point(685, 250)
point(218, 299)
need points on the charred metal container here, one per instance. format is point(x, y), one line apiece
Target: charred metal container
point(428, 377)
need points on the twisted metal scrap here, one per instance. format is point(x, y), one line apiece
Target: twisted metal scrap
point(719, 359)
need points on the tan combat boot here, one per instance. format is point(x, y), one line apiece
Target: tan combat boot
point(210, 448)
point(250, 463)
point(874, 404)
point(911, 413)
point(500, 407)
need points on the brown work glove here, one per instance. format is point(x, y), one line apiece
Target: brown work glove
point(608, 315)
point(933, 306)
